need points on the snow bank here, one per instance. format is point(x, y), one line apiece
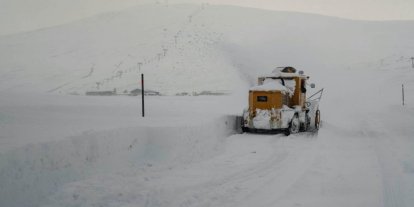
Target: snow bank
point(28, 175)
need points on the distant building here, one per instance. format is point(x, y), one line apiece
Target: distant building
point(100, 93)
point(137, 92)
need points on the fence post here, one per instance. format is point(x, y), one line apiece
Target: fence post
point(412, 62)
point(402, 88)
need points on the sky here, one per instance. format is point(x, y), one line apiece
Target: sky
point(351, 9)
point(22, 15)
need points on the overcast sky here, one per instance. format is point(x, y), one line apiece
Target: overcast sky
point(24, 15)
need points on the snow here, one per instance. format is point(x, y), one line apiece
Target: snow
point(102, 53)
point(262, 119)
point(270, 85)
point(53, 141)
point(63, 150)
point(290, 85)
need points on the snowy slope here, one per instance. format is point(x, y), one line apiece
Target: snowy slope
point(188, 48)
point(20, 16)
point(59, 150)
point(103, 53)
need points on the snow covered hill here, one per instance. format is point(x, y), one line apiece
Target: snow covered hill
point(103, 53)
point(61, 150)
point(188, 48)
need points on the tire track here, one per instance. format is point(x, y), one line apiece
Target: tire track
point(277, 173)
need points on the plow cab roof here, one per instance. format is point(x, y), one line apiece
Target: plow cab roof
point(283, 72)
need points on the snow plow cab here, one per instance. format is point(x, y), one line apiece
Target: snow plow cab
point(278, 104)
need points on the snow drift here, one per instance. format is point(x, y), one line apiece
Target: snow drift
point(30, 174)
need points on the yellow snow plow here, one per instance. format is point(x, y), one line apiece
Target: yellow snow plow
point(278, 103)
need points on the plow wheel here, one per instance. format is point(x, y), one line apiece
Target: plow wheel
point(294, 125)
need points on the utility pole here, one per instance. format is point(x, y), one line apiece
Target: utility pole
point(142, 94)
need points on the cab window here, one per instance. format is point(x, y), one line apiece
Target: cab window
point(261, 98)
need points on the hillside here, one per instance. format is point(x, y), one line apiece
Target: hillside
point(189, 48)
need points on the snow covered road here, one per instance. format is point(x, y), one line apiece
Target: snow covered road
point(260, 170)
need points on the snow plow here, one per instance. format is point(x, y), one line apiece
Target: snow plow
point(278, 103)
